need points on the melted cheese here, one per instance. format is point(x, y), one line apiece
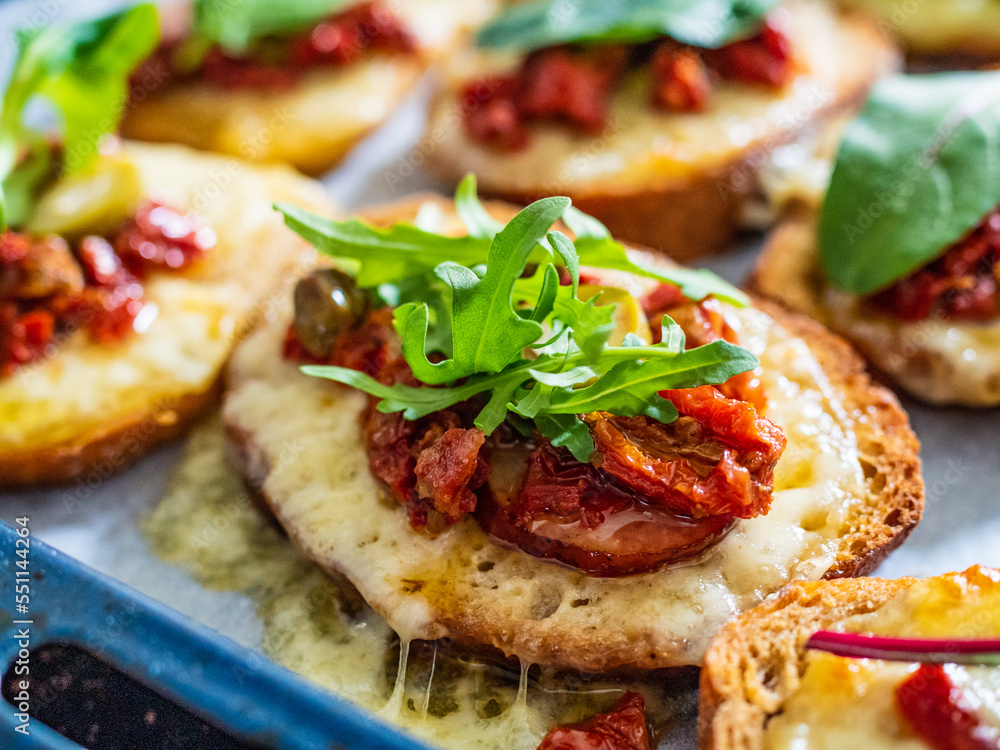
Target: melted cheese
point(207, 523)
point(315, 123)
point(939, 360)
point(940, 26)
point(642, 148)
point(308, 432)
point(194, 316)
point(851, 702)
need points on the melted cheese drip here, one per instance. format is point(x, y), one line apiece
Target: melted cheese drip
point(844, 703)
point(207, 524)
point(941, 361)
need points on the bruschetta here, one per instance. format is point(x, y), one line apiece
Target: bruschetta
point(299, 87)
point(127, 271)
point(657, 129)
point(901, 257)
point(875, 663)
point(531, 519)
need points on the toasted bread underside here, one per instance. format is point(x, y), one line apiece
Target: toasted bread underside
point(675, 183)
point(313, 125)
point(91, 410)
point(755, 662)
point(927, 359)
point(297, 440)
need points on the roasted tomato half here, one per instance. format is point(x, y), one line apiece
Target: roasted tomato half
point(575, 513)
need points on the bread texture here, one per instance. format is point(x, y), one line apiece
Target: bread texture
point(313, 125)
point(678, 183)
point(928, 359)
point(754, 664)
point(90, 410)
point(946, 28)
point(848, 491)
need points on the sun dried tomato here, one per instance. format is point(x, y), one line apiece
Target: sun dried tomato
point(582, 516)
point(622, 728)
point(764, 59)
point(962, 284)
point(162, 237)
point(680, 79)
point(24, 338)
point(446, 464)
point(936, 709)
point(342, 39)
point(717, 458)
point(490, 113)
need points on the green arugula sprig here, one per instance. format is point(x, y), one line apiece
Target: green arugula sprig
point(916, 170)
point(542, 23)
point(82, 70)
point(486, 315)
point(234, 25)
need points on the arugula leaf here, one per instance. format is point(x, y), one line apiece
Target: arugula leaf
point(235, 25)
point(401, 252)
point(543, 23)
point(916, 170)
point(477, 219)
point(567, 431)
point(82, 70)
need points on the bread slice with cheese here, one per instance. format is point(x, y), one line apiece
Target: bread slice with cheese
point(313, 125)
point(89, 409)
point(761, 687)
point(847, 491)
point(940, 28)
point(678, 183)
point(937, 360)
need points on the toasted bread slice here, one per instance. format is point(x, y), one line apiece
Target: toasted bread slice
point(940, 28)
point(848, 491)
point(92, 409)
point(678, 183)
point(315, 124)
point(929, 359)
point(756, 667)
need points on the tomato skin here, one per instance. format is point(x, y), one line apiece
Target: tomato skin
point(579, 515)
point(936, 710)
point(622, 728)
point(718, 458)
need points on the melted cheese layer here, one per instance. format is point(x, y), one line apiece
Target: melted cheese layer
point(940, 26)
point(462, 582)
point(198, 313)
point(940, 361)
point(844, 703)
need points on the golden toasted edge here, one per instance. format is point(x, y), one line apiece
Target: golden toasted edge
point(892, 509)
point(690, 217)
point(107, 449)
point(753, 665)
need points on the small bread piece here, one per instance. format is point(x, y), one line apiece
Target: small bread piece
point(90, 410)
point(678, 183)
point(848, 491)
point(761, 687)
point(754, 664)
point(949, 28)
point(313, 125)
point(936, 360)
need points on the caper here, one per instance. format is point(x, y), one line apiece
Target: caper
point(327, 303)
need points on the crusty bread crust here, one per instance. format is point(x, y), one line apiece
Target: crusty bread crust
point(113, 447)
point(890, 509)
point(701, 207)
point(755, 662)
point(788, 272)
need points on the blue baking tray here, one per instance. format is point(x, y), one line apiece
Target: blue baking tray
point(231, 687)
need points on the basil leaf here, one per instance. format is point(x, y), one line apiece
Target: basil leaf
point(543, 23)
point(82, 70)
point(235, 24)
point(917, 170)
